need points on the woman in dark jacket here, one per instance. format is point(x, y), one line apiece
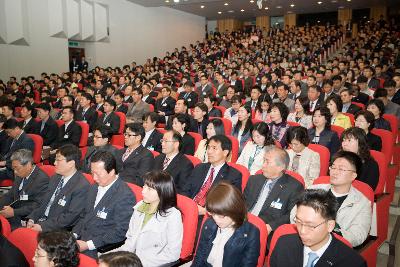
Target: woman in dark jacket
point(180, 124)
point(227, 238)
point(365, 120)
point(376, 107)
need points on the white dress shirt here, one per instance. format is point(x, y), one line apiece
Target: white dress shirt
point(319, 252)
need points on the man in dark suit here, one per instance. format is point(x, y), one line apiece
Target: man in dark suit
point(359, 96)
point(369, 74)
point(165, 105)
point(134, 160)
point(175, 163)
point(119, 102)
point(346, 96)
point(3, 134)
point(205, 175)
point(152, 137)
point(313, 243)
point(204, 89)
point(29, 187)
point(29, 125)
point(18, 140)
point(221, 87)
point(70, 132)
point(109, 118)
point(47, 128)
point(189, 95)
point(148, 95)
point(313, 95)
point(210, 102)
point(272, 195)
point(62, 204)
point(108, 207)
point(86, 112)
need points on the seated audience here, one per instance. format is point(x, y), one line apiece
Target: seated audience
point(155, 230)
point(137, 108)
point(152, 137)
point(390, 107)
point(28, 125)
point(226, 101)
point(377, 108)
point(189, 95)
point(242, 130)
point(301, 112)
point(180, 123)
point(314, 244)
point(119, 259)
point(61, 206)
point(364, 120)
point(210, 102)
point(47, 128)
point(134, 160)
point(214, 127)
point(346, 95)
point(283, 92)
point(278, 126)
point(221, 240)
point(303, 160)
point(201, 118)
point(232, 112)
point(120, 106)
point(86, 112)
point(252, 155)
point(334, 104)
point(165, 105)
point(109, 118)
point(263, 109)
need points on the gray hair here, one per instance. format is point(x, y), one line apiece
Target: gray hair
point(24, 156)
point(282, 158)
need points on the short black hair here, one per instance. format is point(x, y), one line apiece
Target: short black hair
point(70, 152)
point(380, 92)
point(105, 131)
point(111, 102)
point(352, 158)
point(283, 110)
point(121, 259)
point(137, 128)
point(320, 201)
point(379, 104)
point(369, 117)
point(11, 124)
point(324, 111)
point(152, 115)
point(298, 133)
point(226, 143)
point(107, 158)
point(71, 109)
point(87, 96)
point(44, 106)
point(335, 99)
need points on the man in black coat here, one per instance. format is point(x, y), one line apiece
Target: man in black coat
point(175, 163)
point(152, 137)
point(189, 95)
point(47, 128)
point(86, 112)
point(29, 125)
point(109, 118)
point(313, 243)
point(165, 105)
point(70, 132)
point(29, 187)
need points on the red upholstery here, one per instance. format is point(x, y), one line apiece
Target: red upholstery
point(5, 226)
point(292, 123)
point(50, 170)
point(380, 158)
point(83, 152)
point(244, 171)
point(155, 153)
point(60, 123)
point(99, 113)
point(260, 224)
point(86, 261)
point(37, 151)
point(361, 105)
point(254, 121)
point(89, 178)
point(137, 190)
point(190, 216)
point(161, 130)
point(151, 107)
point(195, 161)
point(387, 142)
point(392, 119)
point(6, 183)
point(122, 121)
point(324, 157)
point(197, 138)
point(351, 117)
point(235, 148)
point(339, 130)
point(25, 240)
point(118, 140)
point(85, 133)
point(297, 176)
point(227, 124)
point(221, 108)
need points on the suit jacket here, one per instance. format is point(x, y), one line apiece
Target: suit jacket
point(154, 141)
point(215, 113)
point(309, 165)
point(188, 144)
point(221, 90)
point(10, 255)
point(90, 117)
point(361, 98)
point(139, 162)
point(241, 249)
point(30, 127)
point(34, 188)
point(374, 142)
point(167, 106)
point(3, 141)
point(202, 91)
point(373, 83)
point(122, 108)
point(49, 132)
point(238, 86)
point(118, 204)
point(289, 252)
point(180, 168)
point(327, 138)
point(24, 141)
point(112, 121)
point(150, 100)
point(198, 176)
point(85, 166)
point(396, 97)
point(192, 98)
point(74, 193)
point(136, 111)
point(71, 135)
point(286, 190)
point(353, 109)
point(99, 108)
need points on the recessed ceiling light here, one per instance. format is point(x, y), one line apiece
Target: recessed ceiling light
point(176, 1)
point(242, 10)
point(219, 12)
point(292, 5)
point(278, 6)
point(266, 8)
point(251, 1)
point(231, 11)
point(289, 12)
point(201, 6)
point(318, 21)
point(341, 7)
point(348, 0)
point(334, 1)
point(226, 4)
point(319, 2)
point(166, 1)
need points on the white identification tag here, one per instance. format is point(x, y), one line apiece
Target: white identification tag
point(62, 202)
point(189, 100)
point(102, 214)
point(164, 105)
point(23, 197)
point(278, 204)
point(204, 93)
point(23, 223)
point(84, 121)
point(107, 124)
point(66, 135)
point(150, 148)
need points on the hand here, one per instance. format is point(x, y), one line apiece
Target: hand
point(269, 228)
point(36, 227)
point(202, 210)
point(7, 212)
point(82, 245)
point(161, 113)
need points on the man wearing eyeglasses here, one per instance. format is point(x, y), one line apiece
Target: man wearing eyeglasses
point(134, 160)
point(313, 243)
point(354, 213)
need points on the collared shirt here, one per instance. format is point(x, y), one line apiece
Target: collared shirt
point(319, 252)
point(170, 158)
point(101, 191)
point(346, 107)
point(66, 179)
point(67, 124)
point(269, 183)
point(146, 137)
point(24, 180)
point(216, 171)
point(27, 121)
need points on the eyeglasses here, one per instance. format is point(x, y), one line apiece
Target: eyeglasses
point(340, 169)
point(307, 226)
point(167, 141)
point(130, 135)
point(97, 136)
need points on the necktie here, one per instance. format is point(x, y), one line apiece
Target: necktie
point(42, 126)
point(311, 105)
point(126, 154)
point(251, 159)
point(186, 95)
point(24, 124)
point(253, 104)
point(165, 163)
point(105, 118)
point(312, 257)
point(56, 192)
point(200, 198)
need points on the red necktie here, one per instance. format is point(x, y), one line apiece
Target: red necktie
point(126, 154)
point(165, 163)
point(200, 198)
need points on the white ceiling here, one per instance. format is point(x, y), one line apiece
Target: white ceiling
point(232, 10)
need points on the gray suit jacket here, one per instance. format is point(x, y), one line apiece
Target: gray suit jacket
point(85, 166)
point(136, 111)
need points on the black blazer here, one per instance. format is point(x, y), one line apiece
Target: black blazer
point(187, 144)
point(353, 109)
point(49, 132)
point(34, 188)
point(122, 108)
point(369, 173)
point(167, 106)
point(90, 117)
point(327, 138)
point(10, 255)
point(241, 249)
point(85, 165)
point(154, 141)
point(150, 100)
point(111, 121)
point(118, 204)
point(71, 135)
point(203, 124)
point(191, 99)
point(139, 162)
point(373, 83)
point(361, 98)
point(202, 92)
point(198, 176)
point(30, 127)
point(3, 141)
point(374, 141)
point(289, 252)
point(215, 113)
point(180, 168)
point(24, 141)
point(396, 98)
point(74, 193)
point(285, 191)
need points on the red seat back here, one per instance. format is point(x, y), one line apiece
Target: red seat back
point(190, 216)
point(296, 176)
point(227, 124)
point(86, 261)
point(122, 121)
point(387, 143)
point(118, 140)
point(293, 123)
point(195, 161)
point(221, 108)
point(380, 158)
point(260, 224)
point(324, 157)
point(339, 130)
point(89, 178)
point(50, 170)
point(25, 239)
point(85, 133)
point(137, 191)
point(244, 171)
point(361, 105)
point(37, 151)
point(155, 153)
point(5, 226)
point(392, 119)
point(59, 123)
point(235, 148)
point(197, 138)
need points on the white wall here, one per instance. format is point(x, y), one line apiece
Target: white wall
point(211, 25)
point(136, 33)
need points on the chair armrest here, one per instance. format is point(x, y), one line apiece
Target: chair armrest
point(366, 245)
point(109, 247)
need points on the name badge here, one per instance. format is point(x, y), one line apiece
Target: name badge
point(23, 197)
point(62, 201)
point(107, 124)
point(164, 105)
point(189, 100)
point(102, 214)
point(150, 148)
point(204, 93)
point(66, 136)
point(276, 204)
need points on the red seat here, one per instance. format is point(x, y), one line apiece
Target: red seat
point(86, 261)
point(244, 171)
point(195, 161)
point(89, 178)
point(122, 121)
point(324, 157)
point(59, 123)
point(351, 117)
point(83, 152)
point(25, 239)
point(118, 140)
point(84, 134)
point(293, 123)
point(222, 109)
point(235, 148)
point(254, 121)
point(260, 224)
point(151, 107)
point(137, 191)
point(5, 226)
point(99, 113)
point(6, 183)
point(392, 119)
point(339, 130)
point(227, 124)
point(190, 216)
point(161, 130)
point(197, 138)
point(17, 110)
point(387, 143)
point(155, 153)
point(380, 158)
point(295, 175)
point(361, 105)
point(50, 170)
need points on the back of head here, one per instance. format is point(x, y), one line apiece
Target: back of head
point(320, 201)
point(120, 259)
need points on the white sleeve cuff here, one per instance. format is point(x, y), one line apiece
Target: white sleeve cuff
point(90, 245)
